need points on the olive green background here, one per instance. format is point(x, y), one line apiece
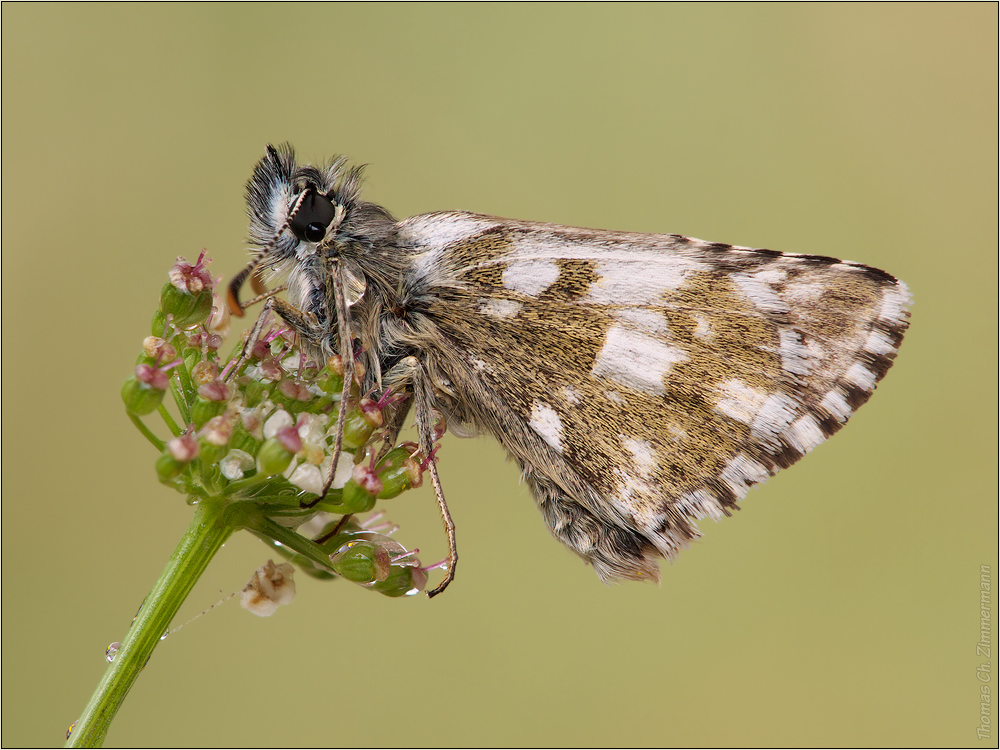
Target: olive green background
point(840, 607)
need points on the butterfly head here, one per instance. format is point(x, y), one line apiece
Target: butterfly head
point(297, 212)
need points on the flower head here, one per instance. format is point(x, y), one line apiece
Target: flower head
point(257, 429)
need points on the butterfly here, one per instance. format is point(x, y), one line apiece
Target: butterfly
point(641, 381)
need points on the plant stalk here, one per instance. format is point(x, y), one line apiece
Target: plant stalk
point(204, 537)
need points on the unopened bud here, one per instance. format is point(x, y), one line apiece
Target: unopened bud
point(292, 395)
point(168, 467)
point(399, 471)
point(204, 372)
point(274, 456)
point(358, 495)
point(362, 562)
point(210, 402)
point(186, 308)
point(143, 392)
point(158, 350)
point(402, 580)
point(183, 448)
point(360, 422)
point(332, 379)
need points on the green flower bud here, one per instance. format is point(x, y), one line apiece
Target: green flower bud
point(139, 398)
point(399, 471)
point(143, 392)
point(254, 393)
point(168, 467)
point(187, 308)
point(332, 378)
point(401, 580)
point(158, 326)
point(354, 499)
point(360, 422)
point(273, 458)
point(210, 453)
point(158, 350)
point(362, 562)
point(274, 455)
point(292, 395)
point(203, 410)
point(211, 400)
point(244, 440)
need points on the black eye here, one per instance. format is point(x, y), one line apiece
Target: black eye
point(315, 232)
point(312, 217)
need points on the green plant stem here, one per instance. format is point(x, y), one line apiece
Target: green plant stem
point(171, 424)
point(251, 519)
point(157, 443)
point(205, 536)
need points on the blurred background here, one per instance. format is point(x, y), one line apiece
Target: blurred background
point(839, 607)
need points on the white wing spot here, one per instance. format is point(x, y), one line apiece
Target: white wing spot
point(773, 419)
point(499, 308)
point(805, 433)
point(618, 279)
point(757, 289)
point(860, 376)
point(572, 395)
point(437, 231)
point(835, 403)
point(739, 401)
point(530, 276)
point(636, 360)
point(878, 342)
point(547, 424)
point(794, 355)
point(700, 504)
point(643, 319)
point(894, 304)
point(806, 293)
point(742, 472)
point(643, 455)
point(702, 328)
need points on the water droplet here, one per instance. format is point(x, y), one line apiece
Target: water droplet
point(139, 610)
point(112, 651)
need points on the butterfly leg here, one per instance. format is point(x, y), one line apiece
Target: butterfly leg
point(394, 426)
point(312, 337)
point(298, 321)
point(411, 373)
point(346, 345)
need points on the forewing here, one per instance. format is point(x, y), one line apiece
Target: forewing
point(668, 373)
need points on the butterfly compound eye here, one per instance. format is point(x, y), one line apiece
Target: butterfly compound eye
point(313, 217)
